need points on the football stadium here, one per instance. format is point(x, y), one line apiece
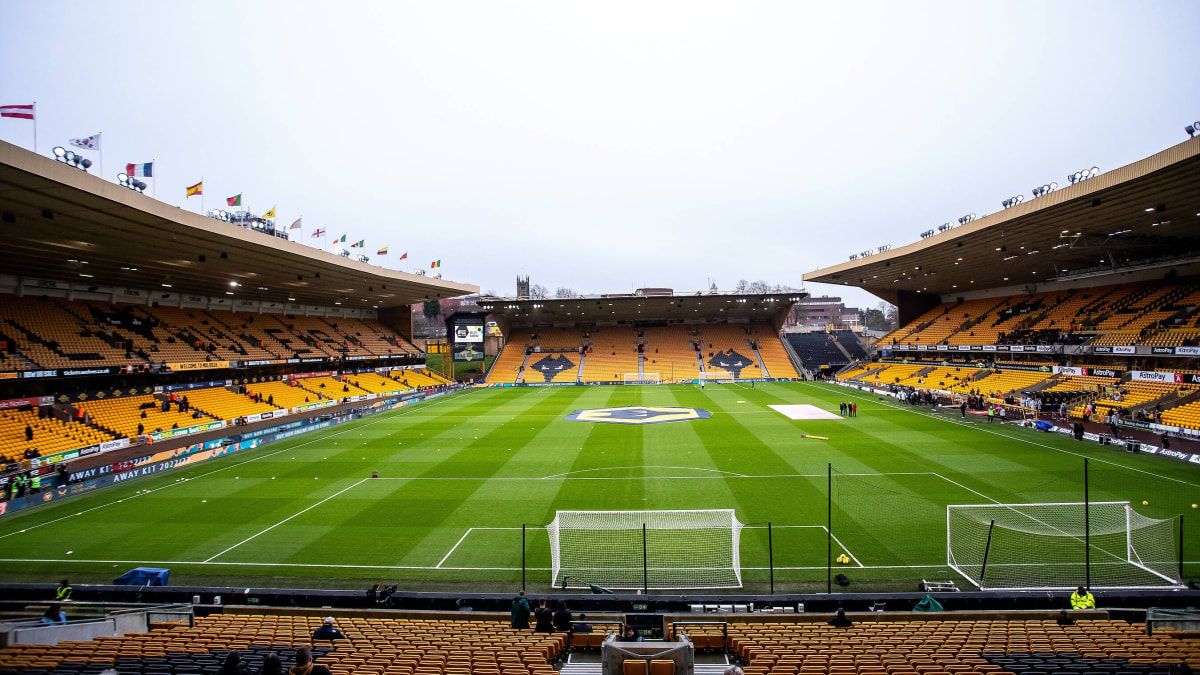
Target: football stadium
point(225, 448)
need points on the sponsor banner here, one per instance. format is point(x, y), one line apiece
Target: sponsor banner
point(118, 444)
point(186, 431)
point(38, 373)
point(85, 371)
point(1003, 348)
point(976, 348)
point(1016, 348)
point(64, 456)
point(312, 360)
point(1124, 349)
point(1102, 349)
point(1162, 350)
point(989, 348)
point(266, 362)
point(9, 376)
point(356, 358)
point(1187, 351)
point(964, 348)
point(304, 376)
point(90, 450)
point(1043, 349)
point(1068, 370)
point(193, 385)
point(943, 348)
point(901, 347)
point(270, 430)
point(1153, 376)
point(922, 348)
point(19, 402)
point(1105, 372)
point(258, 417)
point(313, 406)
point(198, 365)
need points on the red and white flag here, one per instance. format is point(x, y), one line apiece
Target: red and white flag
point(24, 112)
point(319, 232)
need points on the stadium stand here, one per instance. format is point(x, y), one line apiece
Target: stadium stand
point(1082, 383)
point(121, 416)
point(552, 367)
point(671, 352)
point(224, 404)
point(922, 647)
point(50, 435)
point(1161, 313)
point(60, 333)
point(372, 646)
point(507, 365)
point(772, 352)
point(822, 349)
point(284, 393)
point(49, 336)
point(375, 383)
point(725, 348)
point(1001, 383)
point(612, 353)
point(1186, 416)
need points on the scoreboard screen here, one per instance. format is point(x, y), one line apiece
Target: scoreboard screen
point(468, 341)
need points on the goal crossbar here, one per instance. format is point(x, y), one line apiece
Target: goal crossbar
point(1127, 550)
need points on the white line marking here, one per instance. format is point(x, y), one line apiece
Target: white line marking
point(724, 475)
point(460, 540)
point(224, 468)
point(306, 510)
point(845, 548)
point(995, 501)
point(976, 427)
point(416, 567)
point(648, 466)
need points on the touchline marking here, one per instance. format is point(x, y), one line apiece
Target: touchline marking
point(455, 547)
point(287, 519)
point(724, 474)
point(224, 468)
point(977, 427)
point(994, 501)
point(469, 531)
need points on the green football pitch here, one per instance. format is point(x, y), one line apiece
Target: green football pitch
point(460, 475)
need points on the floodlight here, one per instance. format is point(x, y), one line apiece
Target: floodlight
point(60, 151)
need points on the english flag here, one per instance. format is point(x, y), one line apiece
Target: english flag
point(319, 232)
point(24, 112)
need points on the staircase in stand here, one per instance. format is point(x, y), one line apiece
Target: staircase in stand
point(758, 357)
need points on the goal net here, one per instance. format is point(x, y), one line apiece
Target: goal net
point(679, 549)
point(640, 378)
point(1055, 546)
point(716, 375)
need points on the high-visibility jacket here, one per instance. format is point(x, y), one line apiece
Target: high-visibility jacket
point(1085, 601)
point(37, 482)
point(63, 593)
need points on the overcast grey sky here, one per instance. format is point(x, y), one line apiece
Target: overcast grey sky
point(608, 145)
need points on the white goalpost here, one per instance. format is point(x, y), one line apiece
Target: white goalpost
point(652, 550)
point(717, 376)
point(640, 378)
point(1057, 546)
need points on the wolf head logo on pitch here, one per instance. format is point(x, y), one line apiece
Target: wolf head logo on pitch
point(731, 361)
point(638, 414)
point(552, 366)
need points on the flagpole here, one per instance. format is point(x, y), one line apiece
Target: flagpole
point(153, 180)
point(100, 137)
point(201, 195)
point(35, 127)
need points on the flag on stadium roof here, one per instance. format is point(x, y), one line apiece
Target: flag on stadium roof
point(382, 251)
point(235, 200)
point(358, 244)
point(24, 112)
point(296, 224)
point(436, 264)
point(340, 240)
point(88, 143)
point(143, 170)
point(403, 256)
point(197, 189)
point(269, 214)
point(319, 232)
